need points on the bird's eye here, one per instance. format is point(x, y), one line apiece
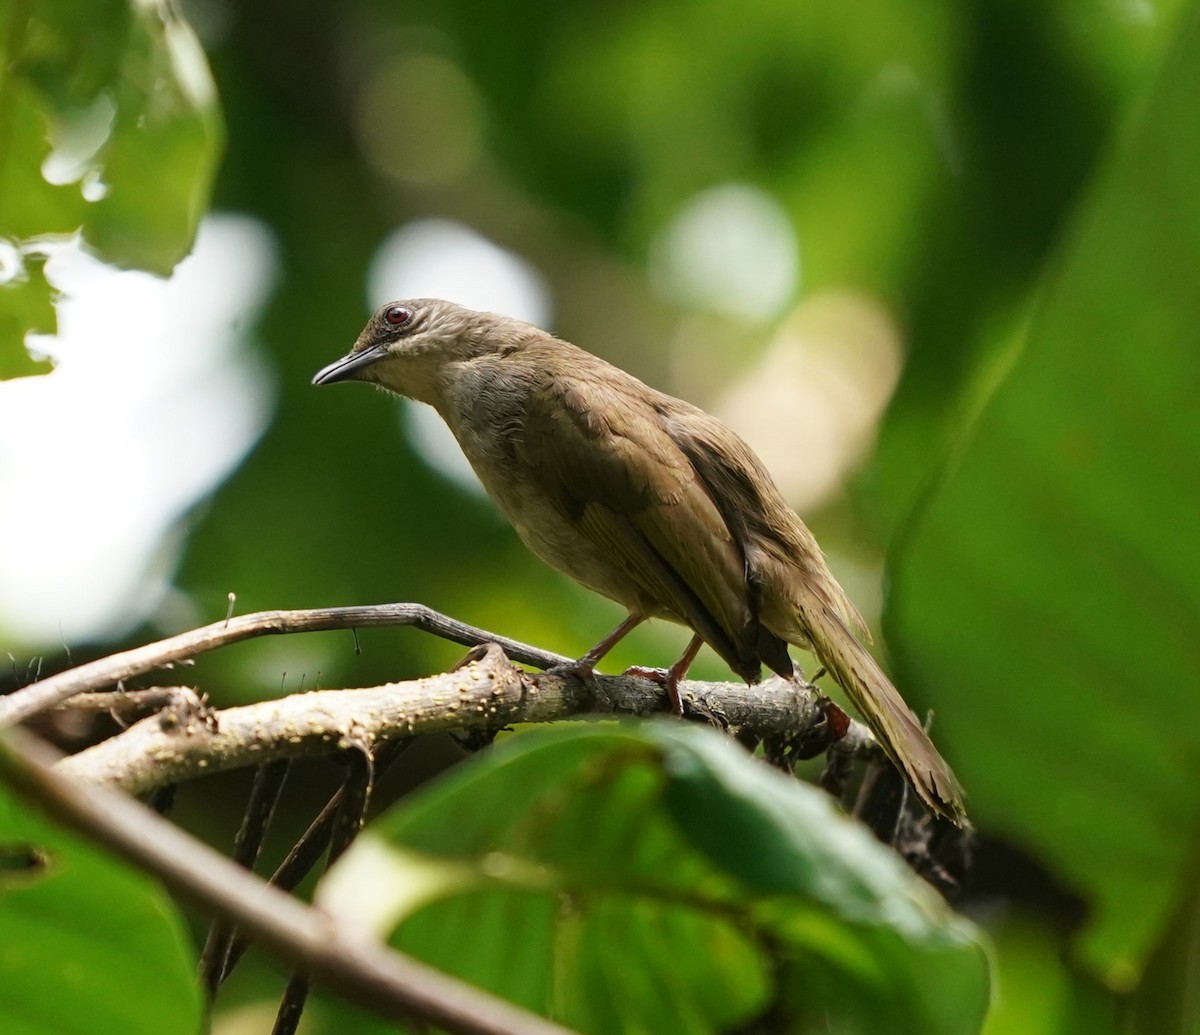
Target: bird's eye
point(397, 315)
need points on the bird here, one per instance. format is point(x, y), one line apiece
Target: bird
point(643, 498)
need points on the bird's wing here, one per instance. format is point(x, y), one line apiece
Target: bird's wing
point(603, 454)
point(782, 554)
point(799, 599)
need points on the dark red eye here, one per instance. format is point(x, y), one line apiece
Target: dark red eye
point(397, 315)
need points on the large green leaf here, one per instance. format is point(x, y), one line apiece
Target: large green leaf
point(655, 877)
point(1049, 594)
point(88, 944)
point(160, 159)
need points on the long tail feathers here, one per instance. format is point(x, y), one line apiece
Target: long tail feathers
point(890, 719)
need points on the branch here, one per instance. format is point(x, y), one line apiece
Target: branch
point(486, 692)
point(110, 670)
point(354, 967)
point(127, 705)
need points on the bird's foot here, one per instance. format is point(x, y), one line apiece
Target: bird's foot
point(784, 750)
point(584, 671)
point(667, 678)
point(836, 719)
point(578, 669)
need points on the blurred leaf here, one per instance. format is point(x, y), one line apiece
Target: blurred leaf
point(89, 944)
point(656, 878)
point(1168, 998)
point(25, 306)
point(1023, 149)
point(115, 96)
point(160, 159)
point(1049, 592)
point(29, 204)
point(1037, 991)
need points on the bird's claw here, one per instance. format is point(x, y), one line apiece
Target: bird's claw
point(667, 678)
point(585, 673)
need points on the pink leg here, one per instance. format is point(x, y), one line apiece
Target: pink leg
point(670, 678)
point(586, 665)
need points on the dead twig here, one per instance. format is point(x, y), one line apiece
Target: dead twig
point(108, 671)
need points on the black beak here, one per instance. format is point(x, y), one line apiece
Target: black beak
point(348, 367)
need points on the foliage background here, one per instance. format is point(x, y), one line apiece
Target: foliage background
point(1003, 195)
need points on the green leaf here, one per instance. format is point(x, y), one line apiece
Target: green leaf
point(30, 206)
point(117, 93)
point(160, 159)
point(25, 307)
point(1049, 593)
point(89, 944)
point(655, 877)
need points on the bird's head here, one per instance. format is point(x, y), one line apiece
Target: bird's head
point(407, 346)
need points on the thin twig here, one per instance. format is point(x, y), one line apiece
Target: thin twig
point(351, 811)
point(291, 1005)
point(96, 675)
point(129, 705)
point(307, 851)
point(260, 808)
point(342, 960)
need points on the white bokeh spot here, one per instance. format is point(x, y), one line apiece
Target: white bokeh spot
point(154, 399)
point(437, 258)
point(730, 249)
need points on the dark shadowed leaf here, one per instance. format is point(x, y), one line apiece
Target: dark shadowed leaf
point(1049, 594)
point(657, 878)
point(88, 944)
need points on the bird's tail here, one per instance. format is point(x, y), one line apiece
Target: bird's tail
point(890, 719)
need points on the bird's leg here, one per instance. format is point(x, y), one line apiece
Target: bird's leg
point(588, 662)
point(670, 678)
point(585, 668)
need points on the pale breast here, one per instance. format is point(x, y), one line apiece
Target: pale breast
point(485, 409)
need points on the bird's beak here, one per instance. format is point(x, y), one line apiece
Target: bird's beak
point(348, 368)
